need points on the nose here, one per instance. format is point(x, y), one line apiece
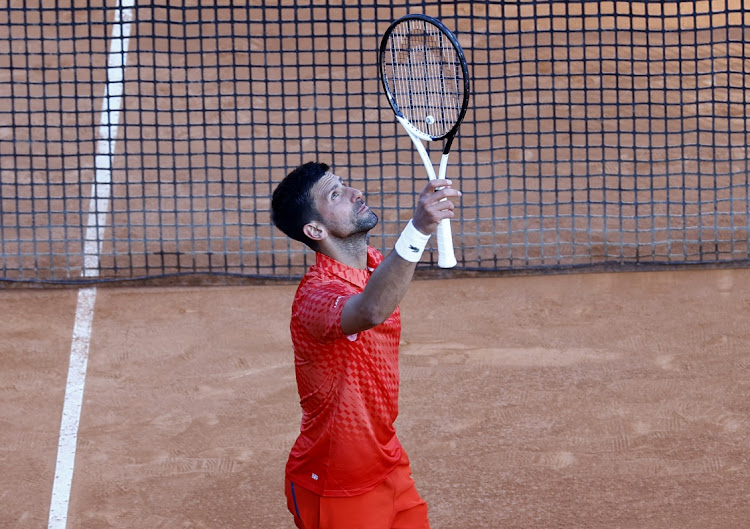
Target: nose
point(356, 193)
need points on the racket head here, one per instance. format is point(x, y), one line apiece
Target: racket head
point(425, 76)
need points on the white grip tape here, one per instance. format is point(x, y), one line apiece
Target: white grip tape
point(411, 244)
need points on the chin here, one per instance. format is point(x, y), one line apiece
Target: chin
point(372, 220)
point(365, 224)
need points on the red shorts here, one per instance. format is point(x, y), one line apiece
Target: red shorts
point(394, 504)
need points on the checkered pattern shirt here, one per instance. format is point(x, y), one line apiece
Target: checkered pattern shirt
point(348, 386)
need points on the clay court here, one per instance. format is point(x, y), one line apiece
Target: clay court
point(587, 364)
point(593, 400)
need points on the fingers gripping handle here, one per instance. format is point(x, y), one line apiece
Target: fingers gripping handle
point(446, 255)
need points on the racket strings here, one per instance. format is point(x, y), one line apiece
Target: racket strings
point(427, 77)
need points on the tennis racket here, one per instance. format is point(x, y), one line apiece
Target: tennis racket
point(426, 80)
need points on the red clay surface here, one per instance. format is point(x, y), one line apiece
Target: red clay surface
point(573, 401)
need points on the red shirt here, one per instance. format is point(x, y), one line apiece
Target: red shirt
point(348, 386)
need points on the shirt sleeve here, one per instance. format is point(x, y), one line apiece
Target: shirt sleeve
point(319, 308)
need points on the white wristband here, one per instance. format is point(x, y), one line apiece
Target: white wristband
point(411, 243)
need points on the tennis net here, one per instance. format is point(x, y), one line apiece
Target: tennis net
point(143, 140)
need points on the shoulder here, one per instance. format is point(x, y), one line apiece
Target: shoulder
point(321, 288)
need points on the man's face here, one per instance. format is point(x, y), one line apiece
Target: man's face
point(342, 208)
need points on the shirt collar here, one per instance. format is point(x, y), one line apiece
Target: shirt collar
point(354, 276)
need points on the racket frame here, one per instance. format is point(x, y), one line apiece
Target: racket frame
point(446, 254)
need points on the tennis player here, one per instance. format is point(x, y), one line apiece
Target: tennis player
point(347, 469)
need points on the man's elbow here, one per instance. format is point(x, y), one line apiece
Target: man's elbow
point(360, 316)
point(374, 316)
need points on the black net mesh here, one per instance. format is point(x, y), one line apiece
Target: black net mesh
point(145, 140)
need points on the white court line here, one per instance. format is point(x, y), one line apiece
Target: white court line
point(96, 224)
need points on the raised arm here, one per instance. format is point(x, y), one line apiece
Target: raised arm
point(388, 284)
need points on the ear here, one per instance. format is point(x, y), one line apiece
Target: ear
point(315, 231)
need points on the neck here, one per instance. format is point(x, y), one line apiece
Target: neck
point(351, 251)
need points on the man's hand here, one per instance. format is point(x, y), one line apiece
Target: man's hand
point(433, 205)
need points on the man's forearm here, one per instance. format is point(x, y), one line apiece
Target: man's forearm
point(381, 296)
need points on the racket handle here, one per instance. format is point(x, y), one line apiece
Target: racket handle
point(446, 256)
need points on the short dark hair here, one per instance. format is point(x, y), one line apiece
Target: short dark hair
point(292, 204)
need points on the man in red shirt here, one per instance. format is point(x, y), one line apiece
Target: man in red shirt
point(347, 469)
